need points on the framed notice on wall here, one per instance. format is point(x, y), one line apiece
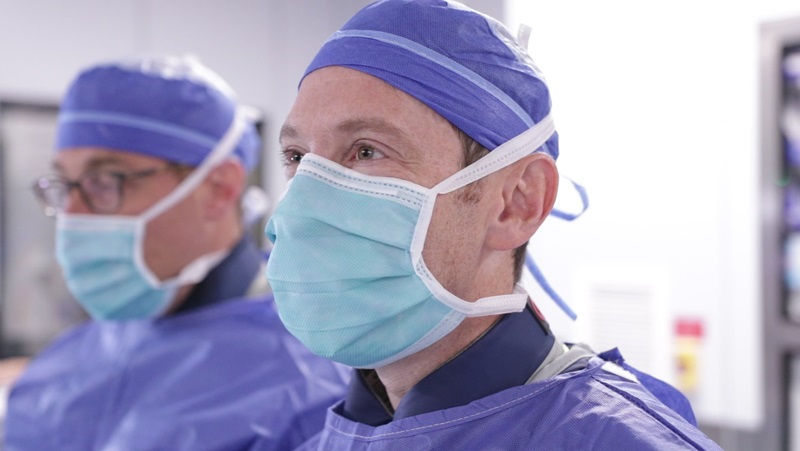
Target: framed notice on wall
point(35, 304)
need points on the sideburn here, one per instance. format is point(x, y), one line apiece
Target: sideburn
point(473, 151)
point(471, 194)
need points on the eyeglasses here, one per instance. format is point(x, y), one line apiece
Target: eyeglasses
point(101, 191)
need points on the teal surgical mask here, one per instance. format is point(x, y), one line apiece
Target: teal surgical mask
point(346, 267)
point(102, 257)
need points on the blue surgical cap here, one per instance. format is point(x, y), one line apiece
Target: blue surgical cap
point(172, 108)
point(462, 64)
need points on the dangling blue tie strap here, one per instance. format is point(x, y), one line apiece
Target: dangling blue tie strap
point(537, 274)
point(572, 216)
point(534, 270)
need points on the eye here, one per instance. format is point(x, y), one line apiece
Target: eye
point(291, 156)
point(100, 182)
point(367, 153)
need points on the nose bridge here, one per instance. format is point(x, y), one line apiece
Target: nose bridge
point(323, 144)
point(316, 130)
point(74, 201)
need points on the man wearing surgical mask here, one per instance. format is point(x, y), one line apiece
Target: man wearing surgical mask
point(421, 152)
point(185, 350)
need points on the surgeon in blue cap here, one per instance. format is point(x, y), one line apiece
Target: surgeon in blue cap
point(185, 350)
point(421, 150)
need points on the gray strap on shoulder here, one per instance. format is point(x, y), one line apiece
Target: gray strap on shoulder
point(560, 359)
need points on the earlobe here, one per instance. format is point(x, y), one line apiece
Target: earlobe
point(528, 194)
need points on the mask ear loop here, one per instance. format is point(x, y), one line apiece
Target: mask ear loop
point(507, 154)
point(198, 268)
point(510, 152)
point(222, 151)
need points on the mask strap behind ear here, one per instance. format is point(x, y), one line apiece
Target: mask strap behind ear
point(508, 153)
point(218, 154)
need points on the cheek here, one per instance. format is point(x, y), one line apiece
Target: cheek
point(170, 239)
point(453, 244)
point(289, 171)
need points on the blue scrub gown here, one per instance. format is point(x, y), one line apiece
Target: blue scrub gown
point(218, 375)
point(482, 400)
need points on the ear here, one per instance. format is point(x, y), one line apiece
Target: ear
point(223, 189)
point(529, 189)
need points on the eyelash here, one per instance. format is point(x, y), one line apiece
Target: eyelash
point(359, 147)
point(289, 155)
point(292, 157)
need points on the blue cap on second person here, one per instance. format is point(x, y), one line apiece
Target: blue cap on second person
point(172, 108)
point(462, 64)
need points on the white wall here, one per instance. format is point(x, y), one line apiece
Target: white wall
point(657, 109)
point(261, 47)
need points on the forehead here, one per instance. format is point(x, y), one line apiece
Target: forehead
point(79, 159)
point(337, 107)
point(332, 96)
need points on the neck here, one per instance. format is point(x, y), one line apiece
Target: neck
point(399, 377)
point(222, 239)
point(489, 278)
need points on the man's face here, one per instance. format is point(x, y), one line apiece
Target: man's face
point(167, 243)
point(362, 123)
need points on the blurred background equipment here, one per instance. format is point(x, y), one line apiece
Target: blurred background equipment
point(780, 184)
point(34, 300)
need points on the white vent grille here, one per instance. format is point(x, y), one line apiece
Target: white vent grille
point(627, 309)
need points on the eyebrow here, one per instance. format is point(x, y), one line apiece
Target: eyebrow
point(351, 126)
point(94, 163)
point(287, 131)
point(372, 124)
